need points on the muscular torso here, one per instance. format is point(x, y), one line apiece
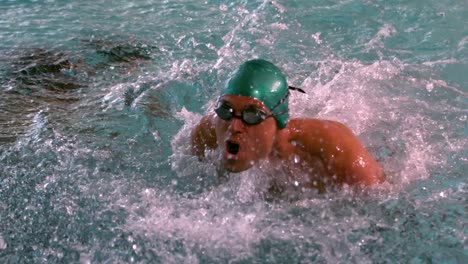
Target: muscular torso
point(327, 152)
point(296, 167)
point(297, 173)
point(311, 153)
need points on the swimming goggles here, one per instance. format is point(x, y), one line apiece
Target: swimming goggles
point(250, 115)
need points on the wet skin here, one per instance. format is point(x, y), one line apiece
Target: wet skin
point(327, 151)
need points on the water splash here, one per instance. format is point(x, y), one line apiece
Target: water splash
point(105, 179)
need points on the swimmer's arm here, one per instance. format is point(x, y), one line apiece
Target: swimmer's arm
point(341, 151)
point(203, 136)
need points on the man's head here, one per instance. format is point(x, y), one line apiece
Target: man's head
point(251, 109)
point(264, 81)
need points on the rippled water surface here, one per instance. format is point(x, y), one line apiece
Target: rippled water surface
point(97, 100)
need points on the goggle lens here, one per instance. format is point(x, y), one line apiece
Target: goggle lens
point(250, 116)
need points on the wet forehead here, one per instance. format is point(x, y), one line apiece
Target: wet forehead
point(239, 102)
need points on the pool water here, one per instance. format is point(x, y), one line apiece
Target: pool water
point(97, 100)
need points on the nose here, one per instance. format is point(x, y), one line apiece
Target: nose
point(236, 125)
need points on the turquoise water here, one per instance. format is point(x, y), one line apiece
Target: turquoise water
point(97, 99)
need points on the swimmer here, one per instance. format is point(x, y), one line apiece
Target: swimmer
point(250, 125)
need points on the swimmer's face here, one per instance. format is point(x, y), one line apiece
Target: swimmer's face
point(244, 144)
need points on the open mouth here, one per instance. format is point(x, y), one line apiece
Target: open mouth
point(232, 147)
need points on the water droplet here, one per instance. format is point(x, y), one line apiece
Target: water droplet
point(156, 136)
point(85, 259)
point(429, 87)
point(223, 7)
point(297, 159)
point(3, 245)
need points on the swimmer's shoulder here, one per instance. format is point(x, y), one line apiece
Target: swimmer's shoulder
point(313, 126)
point(203, 135)
point(322, 137)
point(338, 146)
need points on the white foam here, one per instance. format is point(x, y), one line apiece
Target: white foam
point(227, 50)
point(278, 6)
point(375, 100)
point(316, 38)
point(462, 44)
point(210, 221)
point(279, 26)
point(386, 31)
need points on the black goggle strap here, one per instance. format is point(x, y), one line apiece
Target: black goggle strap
point(281, 101)
point(296, 89)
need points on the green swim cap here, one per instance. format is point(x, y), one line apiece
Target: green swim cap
point(264, 81)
